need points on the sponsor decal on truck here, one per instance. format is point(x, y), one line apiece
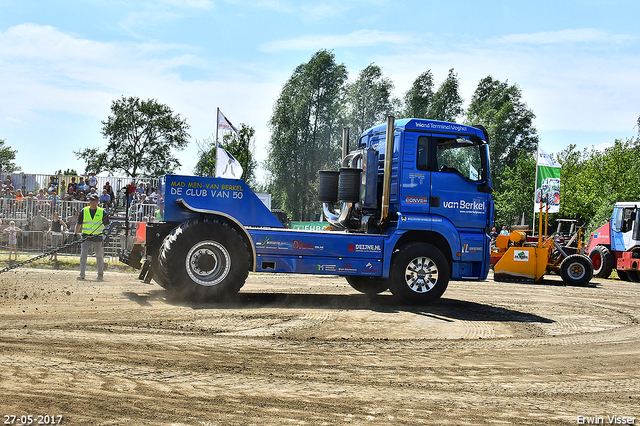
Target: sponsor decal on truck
point(365, 248)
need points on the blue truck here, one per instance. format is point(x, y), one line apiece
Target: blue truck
point(410, 208)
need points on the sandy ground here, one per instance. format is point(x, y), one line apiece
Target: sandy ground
point(310, 350)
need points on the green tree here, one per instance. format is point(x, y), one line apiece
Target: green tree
point(592, 181)
point(241, 146)
point(447, 102)
point(67, 172)
point(517, 196)
point(418, 100)
point(206, 165)
point(7, 157)
point(499, 107)
point(305, 138)
point(140, 138)
point(368, 99)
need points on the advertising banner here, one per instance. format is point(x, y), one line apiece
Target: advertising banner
point(547, 183)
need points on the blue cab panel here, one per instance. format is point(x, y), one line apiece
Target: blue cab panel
point(332, 253)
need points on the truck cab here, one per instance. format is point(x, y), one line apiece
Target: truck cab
point(616, 244)
point(440, 190)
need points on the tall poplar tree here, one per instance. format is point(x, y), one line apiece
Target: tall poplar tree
point(447, 102)
point(305, 133)
point(418, 100)
point(368, 99)
point(422, 101)
point(499, 107)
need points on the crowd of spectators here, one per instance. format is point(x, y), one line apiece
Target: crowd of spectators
point(77, 189)
point(41, 216)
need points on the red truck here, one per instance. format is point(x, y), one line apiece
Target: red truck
point(616, 244)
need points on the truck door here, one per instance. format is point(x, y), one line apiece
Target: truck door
point(458, 181)
point(625, 230)
point(460, 193)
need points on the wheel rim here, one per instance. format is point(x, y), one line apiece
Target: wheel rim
point(208, 263)
point(576, 270)
point(421, 274)
point(597, 262)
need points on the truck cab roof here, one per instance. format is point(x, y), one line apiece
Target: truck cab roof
point(430, 126)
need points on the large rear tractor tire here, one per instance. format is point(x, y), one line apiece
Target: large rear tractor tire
point(155, 270)
point(623, 275)
point(368, 285)
point(419, 274)
point(603, 261)
point(576, 269)
point(203, 260)
point(634, 276)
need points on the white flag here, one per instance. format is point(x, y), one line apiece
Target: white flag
point(545, 159)
point(226, 165)
point(225, 124)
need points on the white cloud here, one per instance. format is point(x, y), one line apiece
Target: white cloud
point(46, 75)
point(190, 4)
point(602, 146)
point(583, 35)
point(45, 69)
point(360, 38)
point(567, 87)
point(320, 11)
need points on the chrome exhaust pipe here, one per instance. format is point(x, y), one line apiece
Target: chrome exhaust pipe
point(388, 162)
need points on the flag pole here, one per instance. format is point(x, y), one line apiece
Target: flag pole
point(216, 145)
point(535, 187)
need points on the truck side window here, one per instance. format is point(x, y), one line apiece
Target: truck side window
point(628, 216)
point(422, 162)
point(617, 223)
point(452, 156)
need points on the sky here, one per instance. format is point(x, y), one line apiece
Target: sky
point(63, 62)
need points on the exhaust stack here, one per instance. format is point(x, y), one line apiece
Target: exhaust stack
point(345, 141)
point(388, 161)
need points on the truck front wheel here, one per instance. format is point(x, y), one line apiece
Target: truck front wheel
point(419, 274)
point(204, 259)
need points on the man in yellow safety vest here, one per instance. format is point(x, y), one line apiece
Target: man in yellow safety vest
point(91, 221)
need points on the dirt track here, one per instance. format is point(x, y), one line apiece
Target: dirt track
point(310, 350)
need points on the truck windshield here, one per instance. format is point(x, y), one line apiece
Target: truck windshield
point(461, 157)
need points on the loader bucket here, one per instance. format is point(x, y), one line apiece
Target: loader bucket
point(522, 264)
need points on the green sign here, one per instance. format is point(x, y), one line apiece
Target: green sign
point(309, 226)
point(547, 183)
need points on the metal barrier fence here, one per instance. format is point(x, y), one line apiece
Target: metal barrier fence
point(37, 242)
point(35, 236)
point(23, 211)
